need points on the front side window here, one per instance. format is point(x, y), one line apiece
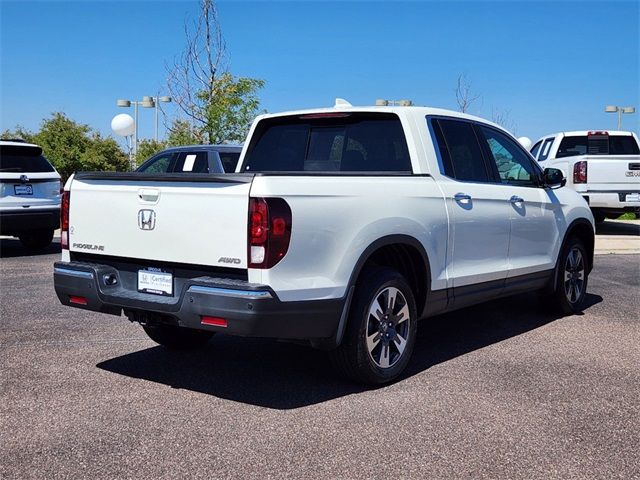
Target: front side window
point(513, 164)
point(157, 164)
point(229, 160)
point(341, 142)
point(461, 155)
point(536, 147)
point(546, 148)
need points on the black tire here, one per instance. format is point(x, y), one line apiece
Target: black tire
point(37, 239)
point(598, 216)
point(177, 338)
point(353, 358)
point(571, 280)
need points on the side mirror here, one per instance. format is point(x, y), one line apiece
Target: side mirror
point(553, 178)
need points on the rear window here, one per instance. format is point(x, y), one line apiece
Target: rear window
point(341, 142)
point(23, 159)
point(598, 145)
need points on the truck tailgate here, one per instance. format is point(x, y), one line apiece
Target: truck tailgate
point(177, 218)
point(614, 170)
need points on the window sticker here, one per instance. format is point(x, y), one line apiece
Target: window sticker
point(188, 163)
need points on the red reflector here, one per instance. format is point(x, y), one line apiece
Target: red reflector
point(279, 226)
point(77, 300)
point(215, 321)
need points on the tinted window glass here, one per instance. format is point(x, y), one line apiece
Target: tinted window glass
point(23, 160)
point(192, 162)
point(464, 150)
point(442, 149)
point(536, 147)
point(598, 145)
point(350, 142)
point(546, 148)
point(514, 166)
point(229, 161)
point(159, 164)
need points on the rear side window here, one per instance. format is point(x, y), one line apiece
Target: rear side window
point(192, 162)
point(546, 148)
point(462, 157)
point(229, 160)
point(341, 142)
point(23, 159)
point(598, 145)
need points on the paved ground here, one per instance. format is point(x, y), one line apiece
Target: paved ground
point(618, 236)
point(501, 390)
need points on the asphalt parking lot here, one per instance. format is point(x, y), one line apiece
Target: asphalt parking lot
point(503, 390)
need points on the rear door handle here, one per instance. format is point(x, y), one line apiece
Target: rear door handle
point(516, 199)
point(462, 197)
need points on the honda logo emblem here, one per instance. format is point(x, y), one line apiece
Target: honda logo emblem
point(146, 219)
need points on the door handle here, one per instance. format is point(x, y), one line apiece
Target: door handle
point(516, 199)
point(462, 197)
point(148, 195)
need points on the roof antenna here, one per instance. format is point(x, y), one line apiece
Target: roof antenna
point(342, 103)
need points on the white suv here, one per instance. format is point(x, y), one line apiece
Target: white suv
point(29, 194)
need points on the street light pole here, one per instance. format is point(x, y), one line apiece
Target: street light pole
point(619, 111)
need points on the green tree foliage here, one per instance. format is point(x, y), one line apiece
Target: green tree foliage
point(72, 146)
point(230, 107)
point(147, 149)
point(182, 133)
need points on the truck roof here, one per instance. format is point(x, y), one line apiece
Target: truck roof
point(582, 133)
point(413, 111)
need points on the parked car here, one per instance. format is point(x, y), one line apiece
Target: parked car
point(342, 227)
point(29, 194)
point(604, 167)
point(194, 159)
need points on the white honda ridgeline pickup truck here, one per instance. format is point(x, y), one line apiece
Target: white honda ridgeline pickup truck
point(341, 227)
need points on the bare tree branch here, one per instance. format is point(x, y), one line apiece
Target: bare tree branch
point(503, 118)
point(464, 96)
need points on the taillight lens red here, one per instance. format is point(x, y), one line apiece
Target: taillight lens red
point(269, 231)
point(64, 219)
point(580, 172)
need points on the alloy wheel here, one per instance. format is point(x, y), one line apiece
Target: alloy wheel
point(387, 331)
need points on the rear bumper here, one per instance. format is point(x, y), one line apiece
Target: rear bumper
point(249, 309)
point(14, 222)
point(614, 200)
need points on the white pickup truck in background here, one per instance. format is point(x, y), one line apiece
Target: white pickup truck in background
point(341, 226)
point(603, 167)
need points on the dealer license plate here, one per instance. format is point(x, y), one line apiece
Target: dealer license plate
point(23, 189)
point(633, 197)
point(155, 281)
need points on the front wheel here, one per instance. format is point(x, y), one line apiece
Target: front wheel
point(572, 279)
point(177, 338)
point(36, 239)
point(381, 328)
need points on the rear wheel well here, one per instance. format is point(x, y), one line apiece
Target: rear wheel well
point(409, 262)
point(584, 232)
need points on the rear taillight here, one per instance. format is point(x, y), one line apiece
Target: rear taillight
point(580, 172)
point(64, 219)
point(269, 231)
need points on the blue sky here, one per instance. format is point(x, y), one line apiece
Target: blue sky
point(552, 65)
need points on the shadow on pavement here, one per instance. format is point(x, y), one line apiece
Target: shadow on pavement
point(618, 228)
point(279, 375)
point(11, 248)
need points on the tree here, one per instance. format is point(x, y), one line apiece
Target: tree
point(464, 96)
point(182, 133)
point(147, 149)
point(503, 118)
point(218, 105)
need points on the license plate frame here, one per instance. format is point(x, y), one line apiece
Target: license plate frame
point(632, 197)
point(23, 190)
point(155, 281)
